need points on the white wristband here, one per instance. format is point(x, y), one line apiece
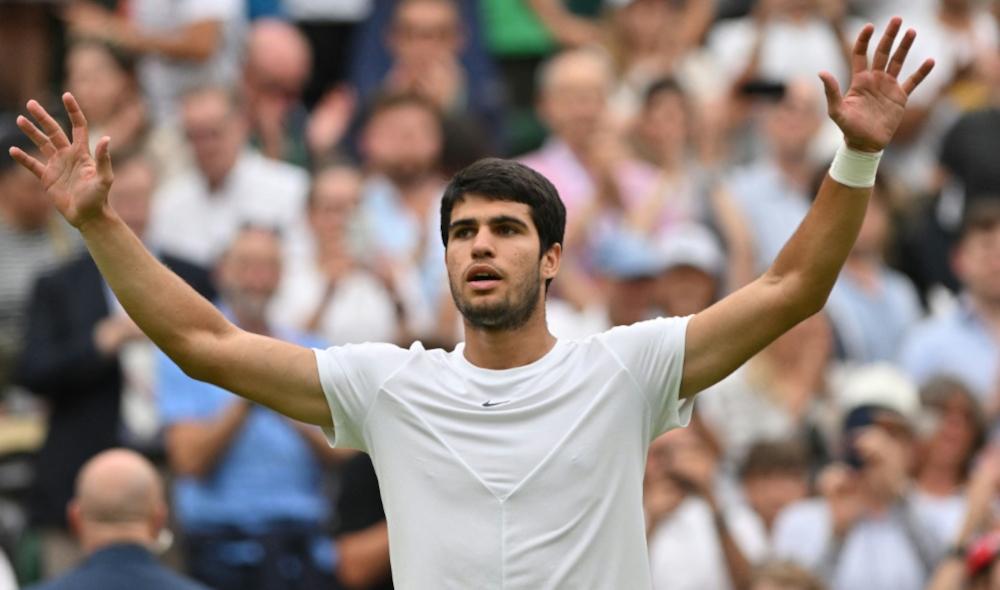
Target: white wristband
point(853, 168)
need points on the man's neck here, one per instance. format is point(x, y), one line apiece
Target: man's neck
point(507, 349)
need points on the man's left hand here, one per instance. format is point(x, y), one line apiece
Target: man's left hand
point(871, 110)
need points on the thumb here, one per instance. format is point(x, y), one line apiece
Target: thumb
point(103, 156)
point(832, 90)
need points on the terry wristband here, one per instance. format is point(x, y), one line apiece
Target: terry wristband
point(853, 168)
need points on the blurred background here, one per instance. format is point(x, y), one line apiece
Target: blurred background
point(287, 158)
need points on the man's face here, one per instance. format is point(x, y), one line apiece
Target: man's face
point(768, 494)
point(275, 76)
point(97, 82)
point(335, 198)
point(684, 290)
point(215, 133)
point(793, 122)
point(494, 269)
point(664, 121)
point(25, 198)
point(425, 31)
point(250, 272)
point(403, 142)
point(977, 263)
point(131, 194)
point(574, 103)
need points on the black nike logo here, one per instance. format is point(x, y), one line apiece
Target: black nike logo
point(491, 403)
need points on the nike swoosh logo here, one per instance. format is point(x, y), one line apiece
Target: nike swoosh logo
point(491, 403)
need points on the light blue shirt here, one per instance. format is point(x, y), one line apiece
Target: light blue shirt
point(871, 324)
point(267, 474)
point(958, 344)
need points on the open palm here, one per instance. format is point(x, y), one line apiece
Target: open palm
point(76, 182)
point(872, 109)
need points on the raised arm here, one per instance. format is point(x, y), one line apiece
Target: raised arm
point(727, 334)
point(178, 320)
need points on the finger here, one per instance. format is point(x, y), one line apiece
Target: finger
point(33, 165)
point(859, 57)
point(900, 56)
point(885, 44)
point(49, 125)
point(103, 156)
point(77, 119)
point(917, 77)
point(36, 136)
point(832, 89)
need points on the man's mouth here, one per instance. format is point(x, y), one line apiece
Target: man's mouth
point(483, 277)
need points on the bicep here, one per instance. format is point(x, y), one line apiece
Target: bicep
point(727, 334)
point(268, 371)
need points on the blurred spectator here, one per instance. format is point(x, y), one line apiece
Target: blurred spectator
point(696, 539)
point(965, 341)
point(782, 40)
point(772, 395)
point(33, 239)
point(401, 143)
point(780, 575)
point(30, 44)
point(197, 213)
point(693, 267)
point(434, 51)
point(277, 67)
point(872, 307)
point(773, 191)
point(362, 536)
point(971, 560)
point(103, 80)
point(119, 513)
point(248, 491)
point(93, 366)
point(328, 290)
point(330, 28)
point(867, 507)
point(185, 43)
point(774, 475)
point(948, 444)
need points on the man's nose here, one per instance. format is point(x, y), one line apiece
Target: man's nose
point(482, 245)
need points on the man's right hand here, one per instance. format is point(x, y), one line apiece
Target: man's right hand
point(76, 182)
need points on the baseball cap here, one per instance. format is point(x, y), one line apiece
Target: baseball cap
point(691, 244)
point(880, 385)
point(626, 255)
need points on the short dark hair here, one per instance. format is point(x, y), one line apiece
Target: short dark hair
point(769, 458)
point(390, 100)
point(665, 85)
point(982, 215)
point(507, 180)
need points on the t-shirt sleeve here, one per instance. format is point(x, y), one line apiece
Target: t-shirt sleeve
point(653, 353)
point(351, 377)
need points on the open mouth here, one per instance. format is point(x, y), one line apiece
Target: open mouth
point(482, 277)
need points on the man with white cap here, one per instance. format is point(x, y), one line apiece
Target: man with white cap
point(867, 508)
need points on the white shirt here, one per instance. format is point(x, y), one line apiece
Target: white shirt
point(541, 487)
point(192, 222)
point(163, 78)
point(7, 580)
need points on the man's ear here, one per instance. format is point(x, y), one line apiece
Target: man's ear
point(74, 518)
point(551, 260)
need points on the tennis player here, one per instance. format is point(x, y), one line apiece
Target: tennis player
point(515, 461)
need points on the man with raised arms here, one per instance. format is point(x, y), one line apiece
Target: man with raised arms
point(515, 461)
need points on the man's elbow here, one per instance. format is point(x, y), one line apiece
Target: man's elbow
point(799, 297)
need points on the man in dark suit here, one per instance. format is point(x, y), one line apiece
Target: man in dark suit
point(83, 354)
point(117, 514)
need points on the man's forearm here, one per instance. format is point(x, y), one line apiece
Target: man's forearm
point(194, 447)
point(812, 258)
point(174, 316)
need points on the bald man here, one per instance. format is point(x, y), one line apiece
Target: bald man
point(117, 514)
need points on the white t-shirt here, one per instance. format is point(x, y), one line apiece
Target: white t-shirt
point(523, 478)
point(195, 223)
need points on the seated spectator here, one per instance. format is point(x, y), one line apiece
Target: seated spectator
point(197, 213)
point(33, 240)
point(248, 487)
point(774, 475)
point(872, 307)
point(867, 507)
point(953, 437)
point(401, 144)
point(277, 67)
point(93, 366)
point(191, 42)
point(780, 575)
point(329, 291)
point(697, 539)
point(118, 513)
point(964, 342)
point(772, 192)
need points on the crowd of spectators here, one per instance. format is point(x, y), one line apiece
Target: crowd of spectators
point(287, 158)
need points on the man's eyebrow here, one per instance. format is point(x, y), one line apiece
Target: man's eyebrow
point(465, 222)
point(501, 219)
